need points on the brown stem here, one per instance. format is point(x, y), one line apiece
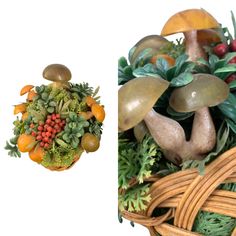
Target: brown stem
point(192, 47)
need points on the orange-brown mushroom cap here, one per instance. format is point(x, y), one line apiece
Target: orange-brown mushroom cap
point(187, 20)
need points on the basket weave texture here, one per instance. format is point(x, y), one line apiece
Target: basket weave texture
point(185, 193)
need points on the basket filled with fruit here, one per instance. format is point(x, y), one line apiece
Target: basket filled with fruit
point(57, 121)
point(177, 129)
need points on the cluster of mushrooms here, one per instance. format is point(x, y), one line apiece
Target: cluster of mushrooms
point(137, 97)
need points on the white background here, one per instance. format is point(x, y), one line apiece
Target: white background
point(88, 37)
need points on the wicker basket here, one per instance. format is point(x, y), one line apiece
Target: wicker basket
point(61, 168)
point(185, 193)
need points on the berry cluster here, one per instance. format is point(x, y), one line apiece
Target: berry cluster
point(221, 50)
point(46, 131)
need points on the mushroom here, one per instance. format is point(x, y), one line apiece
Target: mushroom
point(138, 96)
point(140, 130)
point(189, 22)
point(207, 37)
point(59, 74)
point(204, 91)
point(154, 42)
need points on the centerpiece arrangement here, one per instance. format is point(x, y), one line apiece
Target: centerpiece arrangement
point(177, 129)
point(59, 120)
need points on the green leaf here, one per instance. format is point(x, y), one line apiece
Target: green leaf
point(228, 107)
point(232, 125)
point(229, 68)
point(135, 199)
point(50, 109)
point(232, 84)
point(178, 115)
point(62, 143)
point(181, 80)
point(179, 62)
point(122, 62)
point(234, 23)
point(131, 52)
point(147, 70)
point(212, 61)
point(162, 64)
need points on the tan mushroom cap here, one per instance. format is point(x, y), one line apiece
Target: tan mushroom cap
point(204, 91)
point(136, 98)
point(191, 19)
point(57, 73)
point(155, 42)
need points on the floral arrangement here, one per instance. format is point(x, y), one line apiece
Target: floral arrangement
point(177, 115)
point(59, 121)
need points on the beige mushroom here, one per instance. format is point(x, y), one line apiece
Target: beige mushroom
point(154, 42)
point(204, 91)
point(59, 74)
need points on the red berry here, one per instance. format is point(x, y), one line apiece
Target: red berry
point(49, 129)
point(58, 116)
point(39, 138)
point(63, 122)
point(53, 136)
point(42, 144)
point(221, 49)
point(52, 123)
point(43, 134)
point(233, 46)
point(56, 127)
point(45, 139)
point(49, 140)
point(33, 133)
point(40, 128)
point(57, 121)
point(53, 117)
point(230, 78)
point(48, 121)
point(54, 131)
point(48, 134)
point(233, 60)
point(49, 117)
point(46, 145)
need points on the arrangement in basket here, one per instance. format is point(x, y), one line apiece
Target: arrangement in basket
point(177, 129)
point(59, 120)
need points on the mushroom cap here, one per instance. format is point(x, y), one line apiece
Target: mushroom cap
point(57, 73)
point(191, 19)
point(204, 91)
point(208, 36)
point(155, 42)
point(136, 98)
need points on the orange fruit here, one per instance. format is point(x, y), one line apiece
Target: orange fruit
point(86, 114)
point(19, 108)
point(26, 89)
point(169, 59)
point(31, 95)
point(37, 154)
point(26, 142)
point(90, 142)
point(98, 111)
point(90, 101)
point(24, 116)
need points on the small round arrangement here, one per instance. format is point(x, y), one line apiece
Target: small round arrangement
point(59, 120)
point(177, 129)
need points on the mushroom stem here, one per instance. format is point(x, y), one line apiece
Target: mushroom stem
point(203, 136)
point(168, 134)
point(193, 48)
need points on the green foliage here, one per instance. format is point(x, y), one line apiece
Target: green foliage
point(135, 199)
point(125, 71)
point(74, 129)
point(136, 160)
point(12, 148)
point(95, 128)
point(82, 90)
point(212, 224)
